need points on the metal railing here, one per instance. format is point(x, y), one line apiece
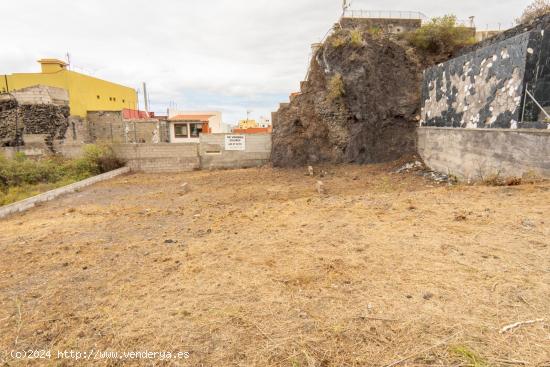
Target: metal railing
point(384, 14)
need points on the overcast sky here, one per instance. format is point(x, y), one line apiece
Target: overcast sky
point(228, 55)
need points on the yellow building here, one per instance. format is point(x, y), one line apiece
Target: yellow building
point(86, 93)
point(248, 124)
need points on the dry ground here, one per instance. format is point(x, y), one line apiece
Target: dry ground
point(255, 268)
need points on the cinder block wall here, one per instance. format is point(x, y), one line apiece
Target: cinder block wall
point(162, 157)
point(213, 154)
point(210, 153)
point(109, 126)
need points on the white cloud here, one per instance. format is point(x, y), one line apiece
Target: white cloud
point(235, 52)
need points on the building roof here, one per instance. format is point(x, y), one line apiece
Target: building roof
point(201, 118)
point(53, 61)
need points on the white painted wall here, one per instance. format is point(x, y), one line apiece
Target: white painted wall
point(215, 122)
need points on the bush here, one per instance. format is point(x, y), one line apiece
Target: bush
point(336, 87)
point(441, 35)
point(22, 177)
point(356, 37)
point(375, 31)
point(337, 40)
point(537, 9)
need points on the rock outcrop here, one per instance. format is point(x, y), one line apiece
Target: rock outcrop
point(360, 103)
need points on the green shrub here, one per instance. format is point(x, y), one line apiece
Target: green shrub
point(338, 40)
point(356, 37)
point(441, 35)
point(375, 31)
point(22, 177)
point(336, 88)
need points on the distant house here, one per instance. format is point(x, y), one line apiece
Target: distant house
point(253, 127)
point(186, 126)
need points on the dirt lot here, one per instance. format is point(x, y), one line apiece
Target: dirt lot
point(255, 268)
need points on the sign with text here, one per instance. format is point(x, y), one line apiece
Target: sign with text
point(235, 142)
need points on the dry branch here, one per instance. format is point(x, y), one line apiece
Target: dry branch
point(515, 325)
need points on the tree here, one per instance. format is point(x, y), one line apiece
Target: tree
point(537, 9)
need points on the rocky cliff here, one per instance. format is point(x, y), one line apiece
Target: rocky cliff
point(360, 103)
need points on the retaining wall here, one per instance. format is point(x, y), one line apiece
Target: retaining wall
point(213, 154)
point(26, 204)
point(474, 154)
point(486, 88)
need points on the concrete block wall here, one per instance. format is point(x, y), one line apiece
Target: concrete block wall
point(109, 126)
point(163, 157)
point(41, 94)
point(214, 156)
point(474, 154)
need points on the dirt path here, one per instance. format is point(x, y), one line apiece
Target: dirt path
point(255, 268)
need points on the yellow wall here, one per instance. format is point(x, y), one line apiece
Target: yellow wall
point(83, 90)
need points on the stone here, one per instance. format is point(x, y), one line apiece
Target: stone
point(184, 188)
point(320, 187)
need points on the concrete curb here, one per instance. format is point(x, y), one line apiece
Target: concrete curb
point(26, 204)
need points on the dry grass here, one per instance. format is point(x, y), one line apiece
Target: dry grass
point(336, 87)
point(261, 270)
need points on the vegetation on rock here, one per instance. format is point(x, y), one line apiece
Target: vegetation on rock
point(441, 35)
point(537, 9)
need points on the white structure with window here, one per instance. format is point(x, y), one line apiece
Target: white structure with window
point(186, 127)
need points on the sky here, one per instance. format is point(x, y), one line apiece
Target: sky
point(222, 55)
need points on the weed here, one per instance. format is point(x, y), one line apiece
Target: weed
point(338, 40)
point(375, 31)
point(336, 88)
point(356, 38)
point(469, 356)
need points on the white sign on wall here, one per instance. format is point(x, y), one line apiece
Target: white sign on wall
point(235, 142)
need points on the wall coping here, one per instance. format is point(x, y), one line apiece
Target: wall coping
point(29, 203)
point(522, 131)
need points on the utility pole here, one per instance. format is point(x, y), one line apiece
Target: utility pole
point(145, 97)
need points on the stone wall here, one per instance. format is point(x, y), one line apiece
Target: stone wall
point(486, 87)
point(35, 110)
point(475, 154)
point(477, 118)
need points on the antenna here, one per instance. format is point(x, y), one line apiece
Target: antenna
point(345, 6)
point(68, 57)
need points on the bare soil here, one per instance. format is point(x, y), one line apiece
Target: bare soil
point(255, 268)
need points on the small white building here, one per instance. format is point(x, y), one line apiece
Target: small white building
point(186, 126)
